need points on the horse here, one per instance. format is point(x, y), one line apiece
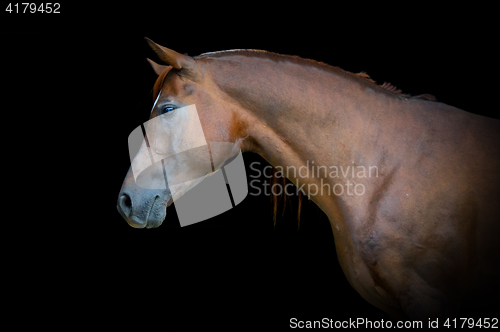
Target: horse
point(417, 237)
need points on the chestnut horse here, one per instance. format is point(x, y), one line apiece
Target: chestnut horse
point(422, 236)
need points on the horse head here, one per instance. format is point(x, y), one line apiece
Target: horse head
point(191, 132)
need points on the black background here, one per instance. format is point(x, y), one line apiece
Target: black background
point(78, 84)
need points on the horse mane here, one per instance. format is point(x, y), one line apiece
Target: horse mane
point(387, 87)
point(392, 88)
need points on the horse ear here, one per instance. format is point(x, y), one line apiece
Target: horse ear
point(158, 69)
point(172, 58)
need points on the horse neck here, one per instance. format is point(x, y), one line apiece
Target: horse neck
point(303, 116)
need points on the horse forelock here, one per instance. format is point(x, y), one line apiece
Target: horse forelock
point(159, 82)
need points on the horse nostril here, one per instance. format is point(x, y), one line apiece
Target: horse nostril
point(125, 204)
point(127, 201)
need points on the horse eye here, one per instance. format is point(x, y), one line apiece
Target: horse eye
point(167, 109)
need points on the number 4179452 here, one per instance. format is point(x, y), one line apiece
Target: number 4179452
point(31, 7)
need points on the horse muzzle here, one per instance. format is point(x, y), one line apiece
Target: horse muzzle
point(143, 210)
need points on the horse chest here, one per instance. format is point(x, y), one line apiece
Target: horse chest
point(359, 260)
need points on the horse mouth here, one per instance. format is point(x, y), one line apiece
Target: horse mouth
point(156, 223)
point(148, 224)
